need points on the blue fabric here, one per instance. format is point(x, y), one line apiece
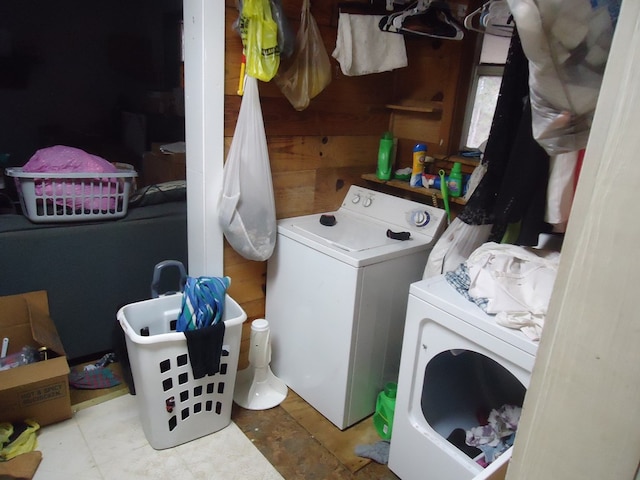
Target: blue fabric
point(460, 280)
point(202, 302)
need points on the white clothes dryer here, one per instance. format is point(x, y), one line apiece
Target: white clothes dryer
point(337, 287)
point(457, 364)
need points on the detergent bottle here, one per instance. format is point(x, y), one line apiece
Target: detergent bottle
point(419, 155)
point(386, 153)
point(385, 408)
point(455, 180)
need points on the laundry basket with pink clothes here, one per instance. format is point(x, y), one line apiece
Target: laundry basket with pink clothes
point(62, 183)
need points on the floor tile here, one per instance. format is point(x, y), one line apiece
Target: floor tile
point(111, 428)
point(106, 442)
point(65, 453)
point(145, 462)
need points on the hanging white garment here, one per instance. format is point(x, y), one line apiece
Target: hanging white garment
point(454, 246)
point(362, 48)
point(560, 189)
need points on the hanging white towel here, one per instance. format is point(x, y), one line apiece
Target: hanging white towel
point(560, 189)
point(362, 48)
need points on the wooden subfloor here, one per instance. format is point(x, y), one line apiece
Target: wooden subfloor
point(298, 441)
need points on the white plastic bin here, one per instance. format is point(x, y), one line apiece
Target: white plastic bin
point(73, 197)
point(174, 407)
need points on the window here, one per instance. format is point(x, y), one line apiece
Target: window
point(485, 88)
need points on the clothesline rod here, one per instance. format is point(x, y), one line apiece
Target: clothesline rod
point(373, 7)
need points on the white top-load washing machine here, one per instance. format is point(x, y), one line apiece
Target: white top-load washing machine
point(337, 286)
point(457, 365)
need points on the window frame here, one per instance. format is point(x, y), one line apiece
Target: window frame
point(479, 70)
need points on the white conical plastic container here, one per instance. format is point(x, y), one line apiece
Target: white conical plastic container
point(257, 388)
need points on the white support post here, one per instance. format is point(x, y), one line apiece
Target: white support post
point(204, 40)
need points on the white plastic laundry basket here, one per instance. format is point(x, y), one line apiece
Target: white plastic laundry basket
point(174, 407)
point(73, 197)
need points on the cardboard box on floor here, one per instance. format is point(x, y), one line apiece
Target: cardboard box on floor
point(159, 167)
point(39, 391)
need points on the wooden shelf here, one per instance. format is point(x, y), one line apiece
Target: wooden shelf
point(404, 185)
point(416, 106)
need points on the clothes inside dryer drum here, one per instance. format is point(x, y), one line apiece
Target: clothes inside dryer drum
point(460, 389)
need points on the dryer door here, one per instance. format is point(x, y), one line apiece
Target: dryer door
point(452, 374)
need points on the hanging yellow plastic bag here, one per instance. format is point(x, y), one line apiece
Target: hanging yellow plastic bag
point(259, 33)
point(310, 69)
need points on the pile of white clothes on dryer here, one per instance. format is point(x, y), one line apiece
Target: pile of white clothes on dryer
point(512, 282)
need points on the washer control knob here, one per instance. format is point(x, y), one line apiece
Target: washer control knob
point(420, 218)
point(356, 198)
point(368, 201)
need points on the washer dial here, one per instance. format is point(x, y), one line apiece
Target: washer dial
point(420, 218)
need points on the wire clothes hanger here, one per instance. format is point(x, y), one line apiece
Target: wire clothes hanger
point(428, 18)
point(493, 18)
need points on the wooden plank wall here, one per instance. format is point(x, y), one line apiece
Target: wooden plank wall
point(316, 154)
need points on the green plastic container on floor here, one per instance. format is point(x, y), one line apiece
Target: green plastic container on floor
point(385, 406)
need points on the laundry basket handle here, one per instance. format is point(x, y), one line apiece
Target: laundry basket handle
point(157, 272)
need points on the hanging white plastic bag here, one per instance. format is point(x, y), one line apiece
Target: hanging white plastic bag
point(309, 71)
point(567, 44)
point(247, 211)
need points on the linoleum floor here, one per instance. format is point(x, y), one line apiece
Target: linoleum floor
point(293, 437)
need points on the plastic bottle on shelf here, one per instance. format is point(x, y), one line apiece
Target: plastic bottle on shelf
point(385, 157)
point(454, 181)
point(419, 155)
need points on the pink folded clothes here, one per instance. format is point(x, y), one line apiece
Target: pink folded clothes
point(94, 194)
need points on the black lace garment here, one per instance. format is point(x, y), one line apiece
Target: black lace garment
point(513, 189)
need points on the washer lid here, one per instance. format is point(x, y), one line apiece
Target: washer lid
point(349, 233)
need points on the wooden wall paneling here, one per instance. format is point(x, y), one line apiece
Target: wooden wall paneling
point(248, 280)
point(417, 127)
point(294, 153)
point(312, 169)
point(372, 90)
point(354, 150)
point(244, 287)
point(323, 117)
point(425, 77)
point(332, 185)
point(294, 193)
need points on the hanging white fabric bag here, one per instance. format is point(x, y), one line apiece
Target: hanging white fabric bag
point(247, 211)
